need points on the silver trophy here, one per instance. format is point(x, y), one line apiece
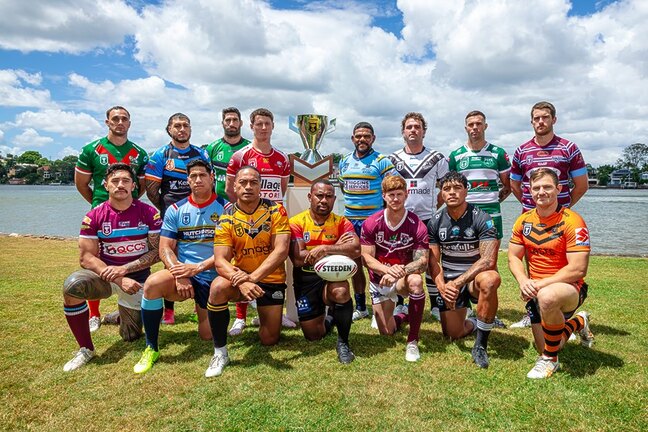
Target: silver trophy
point(311, 128)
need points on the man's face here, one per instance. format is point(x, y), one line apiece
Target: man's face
point(120, 185)
point(118, 122)
point(180, 130)
point(544, 192)
point(413, 132)
point(454, 194)
point(247, 186)
point(232, 125)
point(322, 199)
point(542, 122)
point(476, 128)
point(200, 180)
point(395, 199)
point(262, 127)
point(363, 139)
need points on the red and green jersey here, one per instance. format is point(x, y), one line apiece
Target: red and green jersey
point(220, 152)
point(96, 156)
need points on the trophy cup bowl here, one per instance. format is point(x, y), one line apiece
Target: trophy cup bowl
point(311, 129)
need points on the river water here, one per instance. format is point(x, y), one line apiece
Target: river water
point(617, 219)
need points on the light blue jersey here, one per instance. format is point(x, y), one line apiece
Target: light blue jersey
point(192, 226)
point(360, 180)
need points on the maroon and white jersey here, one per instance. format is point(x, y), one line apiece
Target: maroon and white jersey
point(394, 245)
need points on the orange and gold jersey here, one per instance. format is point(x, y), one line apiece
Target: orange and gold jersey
point(302, 227)
point(547, 241)
point(250, 236)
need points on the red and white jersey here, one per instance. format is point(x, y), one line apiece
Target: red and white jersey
point(273, 167)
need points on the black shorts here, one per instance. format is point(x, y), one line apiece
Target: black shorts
point(309, 298)
point(534, 311)
point(201, 292)
point(273, 294)
point(463, 300)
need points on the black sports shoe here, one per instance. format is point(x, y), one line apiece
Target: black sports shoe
point(345, 355)
point(480, 357)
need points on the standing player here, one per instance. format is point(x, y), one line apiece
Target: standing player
point(316, 233)
point(91, 167)
point(395, 248)
point(554, 241)
point(361, 173)
point(186, 249)
point(251, 243)
point(421, 167)
point(166, 175)
point(463, 246)
point(274, 167)
point(220, 151)
point(548, 150)
point(118, 244)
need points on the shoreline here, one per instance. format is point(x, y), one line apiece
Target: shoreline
point(65, 238)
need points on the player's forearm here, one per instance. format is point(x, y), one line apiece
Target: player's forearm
point(516, 189)
point(504, 193)
point(224, 267)
point(149, 258)
point(374, 265)
point(153, 192)
point(568, 274)
point(516, 266)
point(276, 258)
point(86, 192)
point(419, 262)
point(469, 275)
point(91, 262)
point(352, 250)
point(168, 257)
point(577, 192)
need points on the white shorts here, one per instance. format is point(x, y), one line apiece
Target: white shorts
point(130, 301)
point(380, 293)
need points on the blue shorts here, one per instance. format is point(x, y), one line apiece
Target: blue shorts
point(201, 292)
point(357, 225)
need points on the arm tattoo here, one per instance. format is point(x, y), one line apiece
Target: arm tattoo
point(149, 258)
point(153, 192)
point(419, 262)
point(487, 252)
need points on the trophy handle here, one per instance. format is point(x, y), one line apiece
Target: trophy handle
point(292, 124)
point(331, 126)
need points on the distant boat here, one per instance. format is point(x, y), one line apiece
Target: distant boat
point(56, 184)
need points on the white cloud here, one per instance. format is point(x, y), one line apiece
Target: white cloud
point(30, 138)
point(68, 151)
point(66, 123)
point(70, 26)
point(17, 89)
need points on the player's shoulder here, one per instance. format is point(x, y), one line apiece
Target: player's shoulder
point(571, 217)
point(92, 145)
point(300, 218)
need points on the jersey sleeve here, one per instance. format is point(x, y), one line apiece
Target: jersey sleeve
point(503, 163)
point(296, 228)
point(516, 170)
point(153, 219)
point(280, 224)
point(577, 234)
point(442, 168)
point(433, 229)
point(223, 232)
point(155, 166)
point(387, 167)
point(577, 165)
point(452, 163)
point(89, 225)
point(367, 234)
point(345, 226)
point(422, 241)
point(170, 223)
point(286, 166)
point(516, 233)
point(84, 161)
point(235, 163)
point(484, 223)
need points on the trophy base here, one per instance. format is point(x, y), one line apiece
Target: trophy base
point(305, 174)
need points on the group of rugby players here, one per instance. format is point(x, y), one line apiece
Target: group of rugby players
point(222, 232)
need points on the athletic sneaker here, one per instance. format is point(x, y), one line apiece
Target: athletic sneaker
point(479, 356)
point(193, 317)
point(95, 323)
point(543, 368)
point(287, 322)
point(111, 319)
point(255, 322)
point(168, 317)
point(83, 356)
point(524, 322)
point(474, 321)
point(435, 313)
point(237, 327)
point(345, 355)
point(398, 309)
point(216, 365)
point(358, 314)
point(412, 352)
point(572, 338)
point(149, 356)
point(253, 303)
point(374, 323)
point(498, 323)
point(586, 336)
point(405, 309)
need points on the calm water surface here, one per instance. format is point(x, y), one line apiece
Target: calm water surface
point(617, 219)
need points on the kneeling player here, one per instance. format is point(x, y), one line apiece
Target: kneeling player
point(463, 246)
point(186, 248)
point(316, 233)
point(118, 244)
point(555, 242)
point(251, 242)
point(395, 247)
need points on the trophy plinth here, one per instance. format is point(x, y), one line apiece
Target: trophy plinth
point(311, 166)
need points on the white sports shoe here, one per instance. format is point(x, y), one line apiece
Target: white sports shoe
point(435, 313)
point(543, 368)
point(586, 336)
point(287, 322)
point(237, 327)
point(524, 322)
point(572, 338)
point(95, 323)
point(374, 323)
point(412, 352)
point(398, 309)
point(216, 365)
point(358, 314)
point(83, 356)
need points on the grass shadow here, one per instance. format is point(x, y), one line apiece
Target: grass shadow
point(604, 329)
point(118, 350)
point(581, 362)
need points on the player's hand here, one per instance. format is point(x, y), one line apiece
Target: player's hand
point(130, 286)
point(184, 287)
point(250, 291)
point(387, 280)
point(316, 254)
point(239, 277)
point(181, 270)
point(397, 271)
point(347, 237)
point(110, 273)
point(451, 292)
point(528, 289)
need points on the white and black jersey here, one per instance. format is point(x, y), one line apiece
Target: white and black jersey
point(458, 240)
point(421, 171)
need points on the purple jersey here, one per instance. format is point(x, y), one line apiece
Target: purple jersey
point(394, 245)
point(122, 235)
point(560, 155)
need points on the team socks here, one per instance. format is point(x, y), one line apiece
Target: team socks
point(415, 315)
point(219, 317)
point(573, 325)
point(169, 305)
point(241, 310)
point(483, 331)
point(343, 316)
point(93, 305)
point(400, 319)
point(151, 316)
point(401, 300)
point(433, 291)
point(361, 301)
point(77, 317)
point(553, 334)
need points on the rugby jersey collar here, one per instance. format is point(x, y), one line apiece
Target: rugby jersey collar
point(211, 199)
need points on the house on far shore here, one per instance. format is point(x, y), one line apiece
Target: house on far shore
point(619, 177)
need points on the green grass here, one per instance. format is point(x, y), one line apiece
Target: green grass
point(298, 385)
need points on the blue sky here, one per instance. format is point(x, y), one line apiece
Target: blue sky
point(63, 62)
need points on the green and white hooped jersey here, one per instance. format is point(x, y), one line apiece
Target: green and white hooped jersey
point(482, 169)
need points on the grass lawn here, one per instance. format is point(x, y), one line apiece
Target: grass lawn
point(298, 385)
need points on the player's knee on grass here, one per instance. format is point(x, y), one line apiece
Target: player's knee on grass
point(218, 290)
point(414, 284)
point(86, 284)
point(130, 324)
point(338, 292)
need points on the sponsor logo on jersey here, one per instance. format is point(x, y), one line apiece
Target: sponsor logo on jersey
point(127, 248)
point(186, 218)
point(307, 237)
point(526, 228)
point(87, 220)
point(489, 162)
point(380, 236)
point(543, 153)
point(214, 217)
point(170, 165)
point(252, 163)
point(419, 191)
point(156, 216)
point(123, 224)
point(400, 165)
point(270, 185)
point(106, 228)
point(263, 250)
point(469, 232)
point(405, 238)
point(454, 231)
point(220, 156)
point(142, 226)
point(356, 185)
point(103, 159)
point(529, 159)
point(463, 163)
point(489, 224)
point(582, 237)
point(443, 234)
point(413, 183)
point(238, 230)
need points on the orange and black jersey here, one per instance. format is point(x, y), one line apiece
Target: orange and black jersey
point(250, 236)
point(547, 241)
point(304, 228)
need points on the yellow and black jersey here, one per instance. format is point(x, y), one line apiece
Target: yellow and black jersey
point(250, 236)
